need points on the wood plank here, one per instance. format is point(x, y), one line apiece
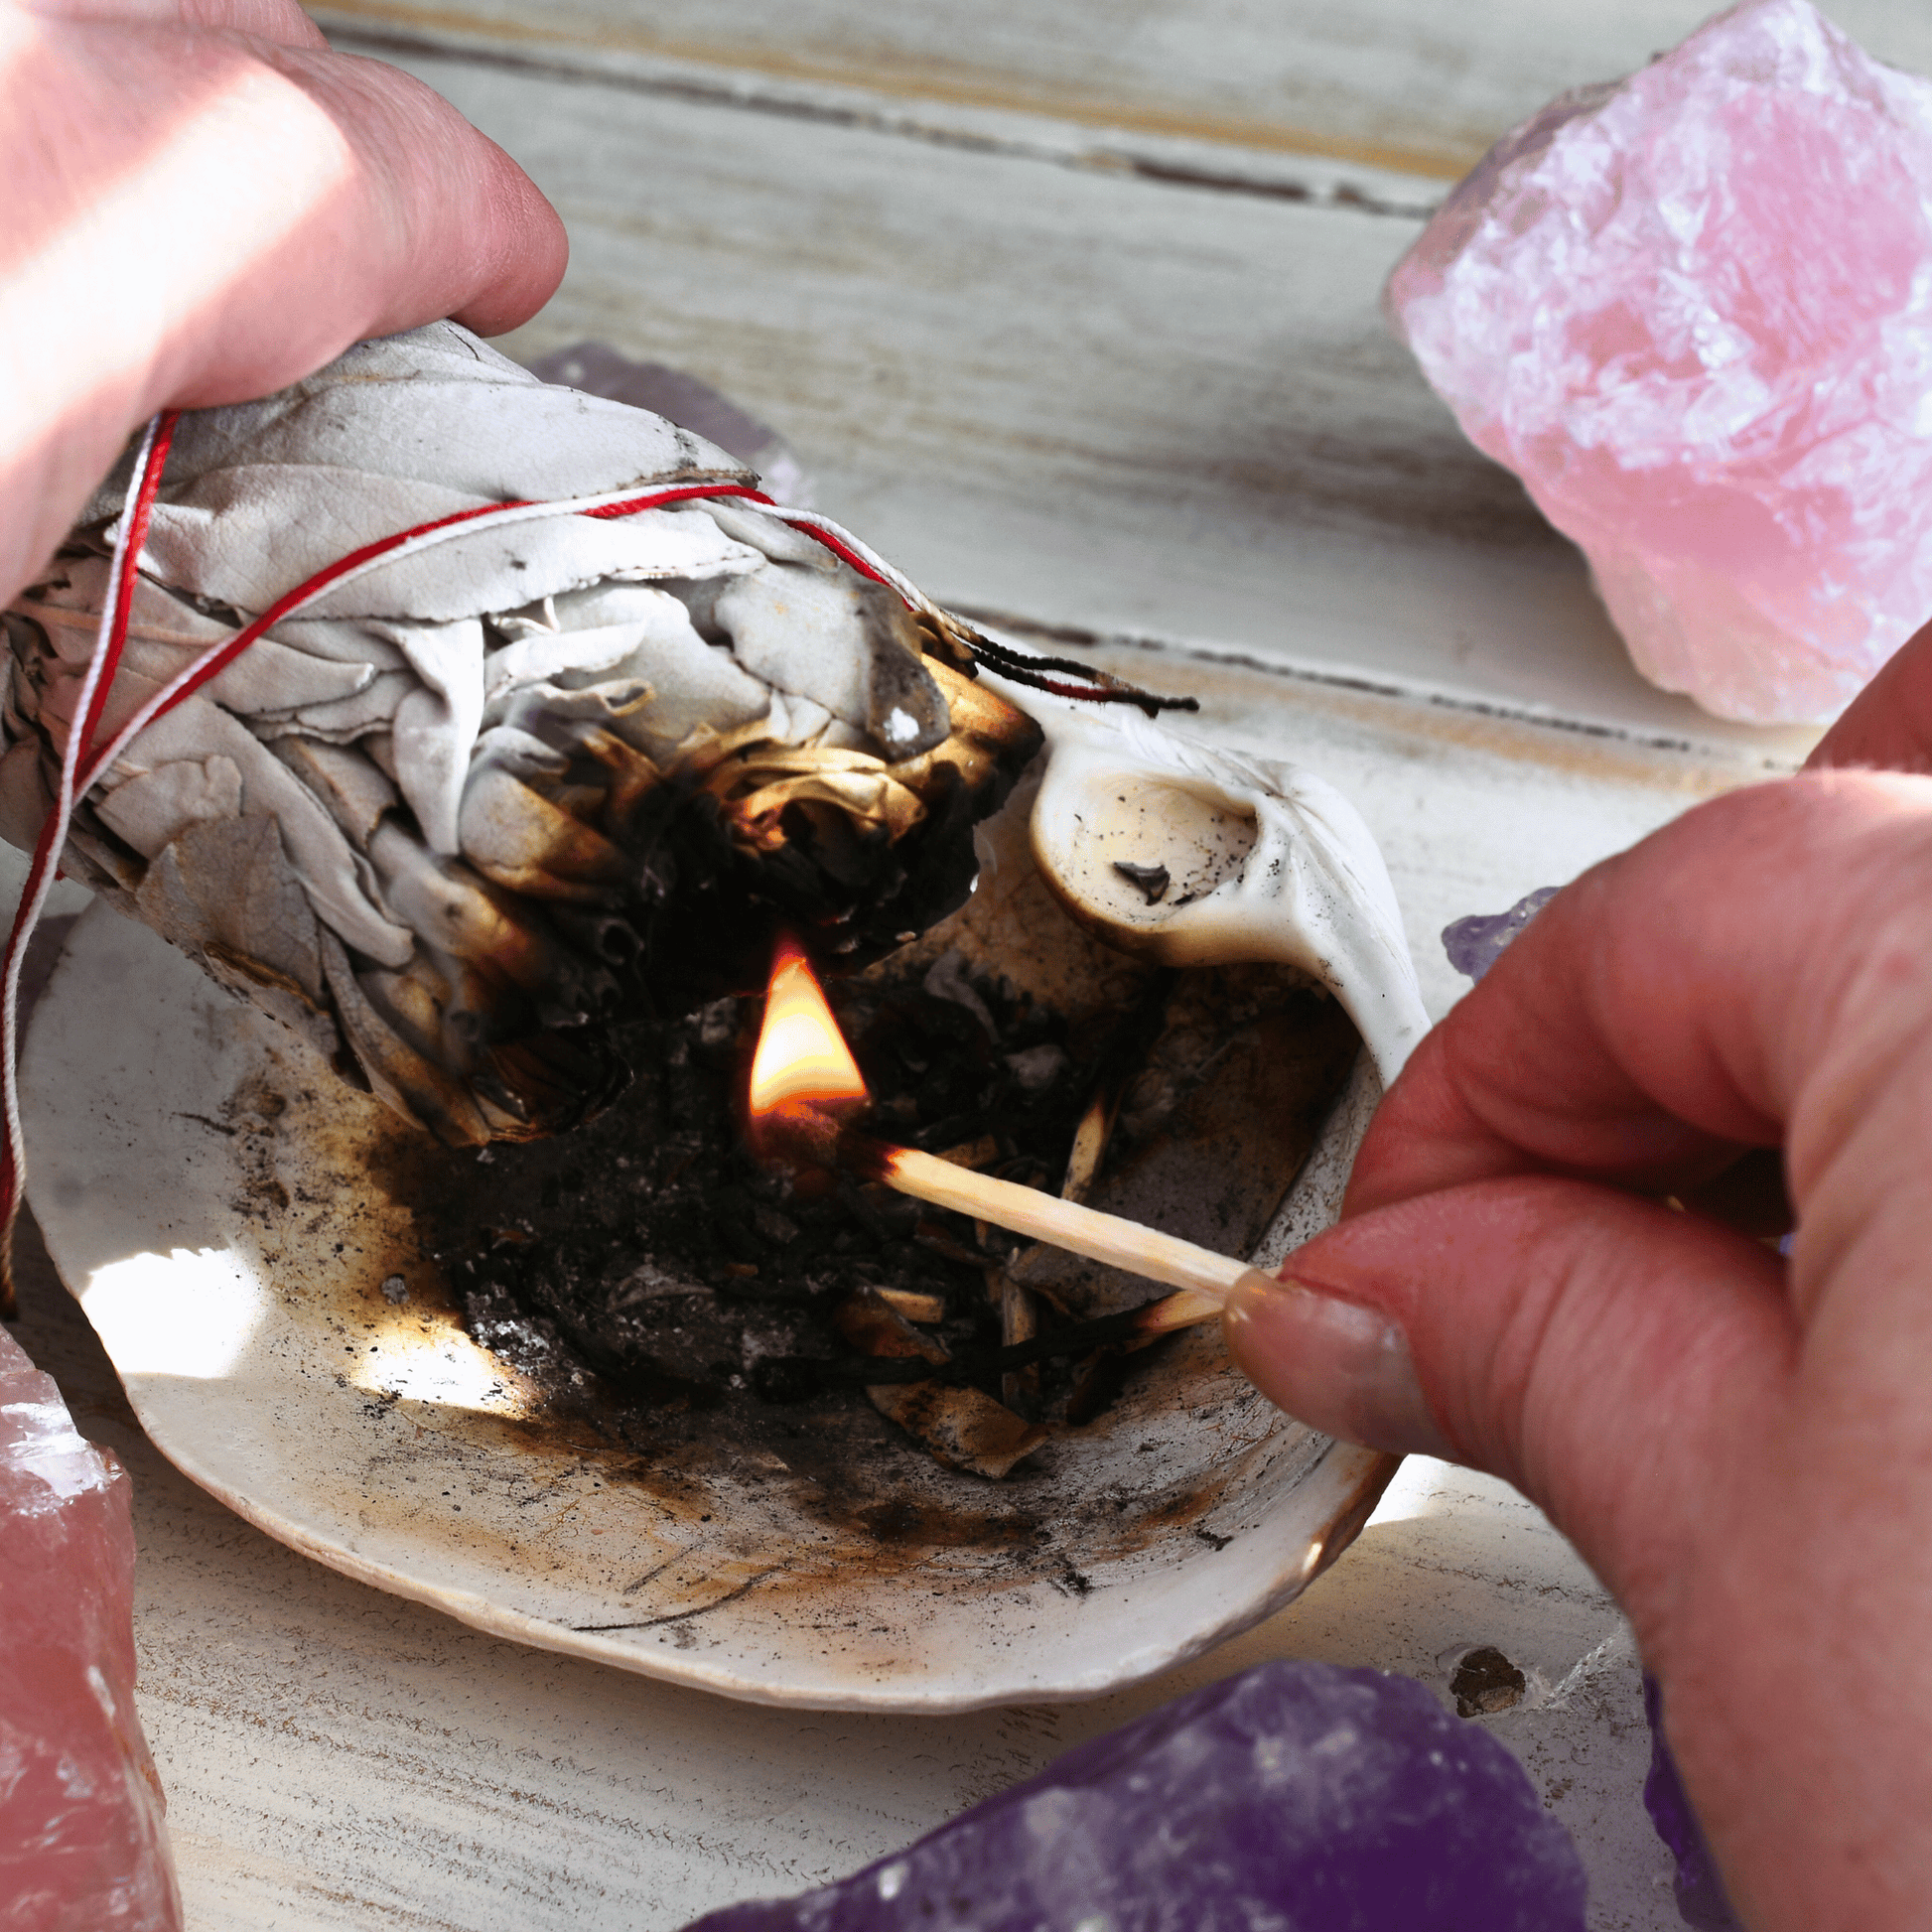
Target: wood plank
point(1089, 399)
point(1394, 83)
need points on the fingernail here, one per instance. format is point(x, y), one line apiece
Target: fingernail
point(1341, 1369)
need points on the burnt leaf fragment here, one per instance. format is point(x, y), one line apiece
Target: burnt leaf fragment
point(1153, 881)
point(1486, 1682)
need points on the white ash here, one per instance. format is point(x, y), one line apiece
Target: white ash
point(1036, 1068)
point(946, 979)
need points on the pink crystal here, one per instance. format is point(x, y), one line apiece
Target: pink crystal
point(82, 1846)
point(1693, 311)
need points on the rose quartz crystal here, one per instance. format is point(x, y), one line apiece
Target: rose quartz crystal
point(1693, 310)
point(82, 1847)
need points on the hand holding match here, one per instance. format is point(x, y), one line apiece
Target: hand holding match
point(805, 1089)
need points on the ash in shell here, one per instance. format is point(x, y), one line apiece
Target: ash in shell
point(469, 808)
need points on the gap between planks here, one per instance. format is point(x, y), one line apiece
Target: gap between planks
point(1405, 86)
point(1732, 754)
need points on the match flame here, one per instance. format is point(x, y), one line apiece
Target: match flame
point(803, 1060)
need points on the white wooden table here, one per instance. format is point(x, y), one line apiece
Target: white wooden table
point(1072, 311)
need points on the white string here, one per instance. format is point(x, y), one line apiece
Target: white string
point(41, 882)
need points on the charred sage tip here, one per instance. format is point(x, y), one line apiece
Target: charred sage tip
point(1151, 879)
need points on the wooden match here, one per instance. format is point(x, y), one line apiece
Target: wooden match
point(806, 1086)
point(1203, 1278)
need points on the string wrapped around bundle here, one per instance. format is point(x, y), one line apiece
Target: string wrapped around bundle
point(474, 801)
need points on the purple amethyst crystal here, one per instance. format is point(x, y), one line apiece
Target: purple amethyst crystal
point(1475, 944)
point(1292, 1798)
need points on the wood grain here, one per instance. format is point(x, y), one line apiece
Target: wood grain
point(1087, 399)
point(1407, 84)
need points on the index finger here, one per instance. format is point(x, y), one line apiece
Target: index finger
point(1890, 723)
point(199, 217)
point(1662, 1012)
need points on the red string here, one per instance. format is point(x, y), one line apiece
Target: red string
point(846, 554)
point(137, 537)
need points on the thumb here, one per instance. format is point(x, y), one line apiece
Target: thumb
point(1563, 1335)
point(1890, 723)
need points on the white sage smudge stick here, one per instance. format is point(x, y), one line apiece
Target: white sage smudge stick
point(564, 757)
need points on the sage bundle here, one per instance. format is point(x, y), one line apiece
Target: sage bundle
point(487, 793)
